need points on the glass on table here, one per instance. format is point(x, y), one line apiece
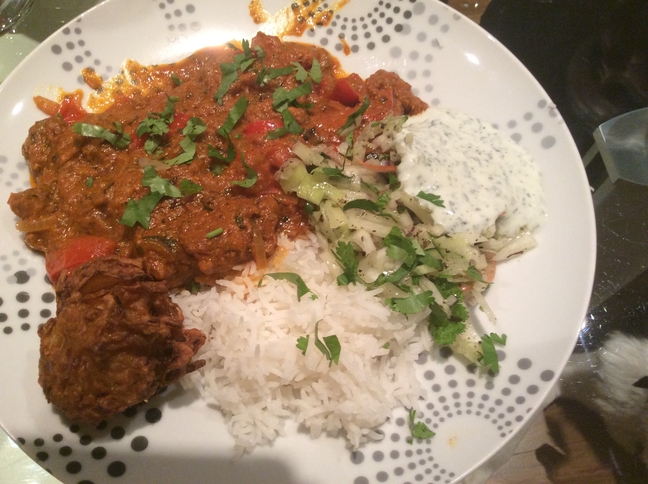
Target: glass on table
point(11, 11)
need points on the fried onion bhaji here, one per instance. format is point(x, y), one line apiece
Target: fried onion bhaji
point(116, 340)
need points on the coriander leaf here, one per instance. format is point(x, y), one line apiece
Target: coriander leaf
point(290, 126)
point(176, 80)
point(89, 182)
point(333, 172)
point(250, 178)
point(229, 75)
point(139, 211)
point(418, 429)
point(282, 98)
point(302, 288)
point(447, 289)
point(119, 140)
point(444, 329)
point(302, 343)
point(332, 343)
point(214, 233)
point(411, 304)
point(363, 204)
point(393, 181)
point(330, 347)
point(301, 74)
point(159, 184)
point(193, 128)
point(228, 157)
point(393, 277)
point(345, 255)
point(354, 116)
point(187, 187)
point(233, 117)
point(265, 75)
point(316, 72)
point(400, 247)
point(475, 274)
point(489, 353)
point(432, 198)
point(259, 52)
point(430, 260)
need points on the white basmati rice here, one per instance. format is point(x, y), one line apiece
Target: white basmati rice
point(259, 378)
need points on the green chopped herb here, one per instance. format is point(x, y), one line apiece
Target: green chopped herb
point(489, 354)
point(194, 127)
point(354, 116)
point(475, 274)
point(346, 256)
point(283, 98)
point(418, 429)
point(316, 72)
point(411, 304)
point(187, 187)
point(329, 346)
point(290, 126)
point(233, 117)
point(302, 288)
point(302, 343)
point(176, 80)
point(265, 75)
point(250, 178)
point(214, 233)
point(156, 125)
point(119, 140)
point(139, 211)
point(229, 71)
point(89, 182)
point(159, 184)
point(432, 198)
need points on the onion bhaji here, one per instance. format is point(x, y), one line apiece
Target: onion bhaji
point(116, 340)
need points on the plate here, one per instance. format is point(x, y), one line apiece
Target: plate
point(540, 299)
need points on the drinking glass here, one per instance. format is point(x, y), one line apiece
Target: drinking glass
point(11, 11)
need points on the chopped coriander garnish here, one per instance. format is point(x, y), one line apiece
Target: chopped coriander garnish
point(345, 255)
point(229, 71)
point(176, 80)
point(265, 75)
point(411, 304)
point(156, 125)
point(329, 346)
point(302, 288)
point(233, 117)
point(119, 140)
point(187, 187)
point(290, 126)
point(489, 354)
point(475, 274)
point(89, 182)
point(283, 98)
point(302, 343)
point(250, 178)
point(214, 233)
point(432, 198)
point(354, 116)
point(139, 211)
point(194, 127)
point(418, 429)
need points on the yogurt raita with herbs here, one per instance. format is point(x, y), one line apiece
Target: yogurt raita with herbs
point(482, 176)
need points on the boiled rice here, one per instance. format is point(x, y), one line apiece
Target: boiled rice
point(259, 378)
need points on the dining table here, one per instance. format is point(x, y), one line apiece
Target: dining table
point(571, 439)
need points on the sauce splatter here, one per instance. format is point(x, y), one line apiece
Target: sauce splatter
point(295, 18)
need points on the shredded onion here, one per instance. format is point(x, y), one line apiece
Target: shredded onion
point(40, 225)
